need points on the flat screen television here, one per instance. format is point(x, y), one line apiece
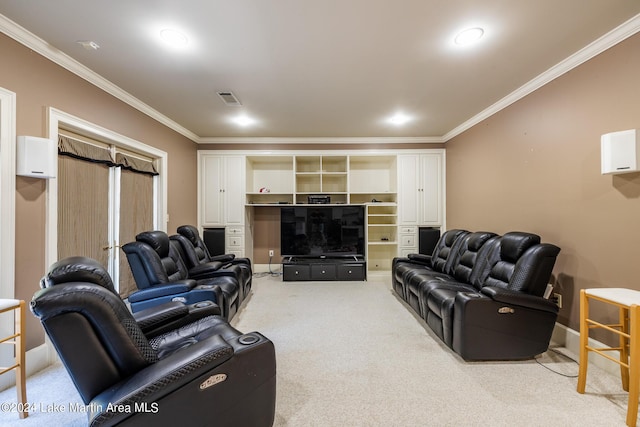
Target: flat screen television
point(315, 231)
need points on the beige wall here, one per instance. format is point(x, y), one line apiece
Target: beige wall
point(39, 84)
point(535, 166)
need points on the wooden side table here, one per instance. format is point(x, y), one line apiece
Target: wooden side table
point(628, 331)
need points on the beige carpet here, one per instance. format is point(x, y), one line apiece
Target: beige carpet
point(352, 354)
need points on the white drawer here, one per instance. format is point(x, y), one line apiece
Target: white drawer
point(407, 240)
point(235, 242)
point(408, 229)
point(234, 231)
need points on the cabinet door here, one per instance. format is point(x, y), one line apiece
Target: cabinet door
point(431, 189)
point(234, 190)
point(211, 190)
point(408, 189)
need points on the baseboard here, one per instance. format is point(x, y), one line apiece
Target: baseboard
point(267, 268)
point(570, 339)
point(37, 359)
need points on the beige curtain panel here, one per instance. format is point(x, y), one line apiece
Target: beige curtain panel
point(135, 165)
point(83, 151)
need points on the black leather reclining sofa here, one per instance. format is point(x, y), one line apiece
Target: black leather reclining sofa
point(482, 294)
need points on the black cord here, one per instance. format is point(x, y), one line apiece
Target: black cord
point(554, 371)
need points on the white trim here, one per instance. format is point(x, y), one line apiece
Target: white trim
point(56, 119)
point(40, 46)
point(325, 140)
point(36, 360)
point(568, 338)
point(605, 42)
point(341, 152)
point(8, 192)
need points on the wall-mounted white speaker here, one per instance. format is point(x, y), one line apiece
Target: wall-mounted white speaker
point(620, 152)
point(36, 157)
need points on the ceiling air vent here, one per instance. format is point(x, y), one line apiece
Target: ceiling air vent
point(229, 99)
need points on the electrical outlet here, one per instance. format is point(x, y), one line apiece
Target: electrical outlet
point(270, 252)
point(558, 299)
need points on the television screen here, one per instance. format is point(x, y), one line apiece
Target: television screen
point(322, 231)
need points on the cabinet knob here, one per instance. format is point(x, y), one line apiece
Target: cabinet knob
point(322, 271)
point(349, 271)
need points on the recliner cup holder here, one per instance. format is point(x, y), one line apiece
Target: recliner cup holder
point(248, 339)
point(203, 304)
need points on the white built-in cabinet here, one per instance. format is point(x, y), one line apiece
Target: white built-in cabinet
point(222, 198)
point(400, 192)
point(420, 196)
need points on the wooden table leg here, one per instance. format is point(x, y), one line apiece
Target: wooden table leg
point(624, 348)
point(21, 384)
point(634, 365)
point(584, 341)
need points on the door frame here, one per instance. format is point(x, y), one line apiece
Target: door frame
point(7, 192)
point(57, 119)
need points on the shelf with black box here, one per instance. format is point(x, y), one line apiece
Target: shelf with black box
point(342, 268)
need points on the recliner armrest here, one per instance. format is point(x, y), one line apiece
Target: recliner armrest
point(162, 290)
point(519, 298)
point(420, 259)
point(204, 270)
point(150, 318)
point(223, 258)
point(173, 315)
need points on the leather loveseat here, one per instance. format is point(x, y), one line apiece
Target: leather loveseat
point(482, 294)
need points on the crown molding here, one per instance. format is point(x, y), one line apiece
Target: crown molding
point(323, 140)
point(40, 46)
point(615, 36)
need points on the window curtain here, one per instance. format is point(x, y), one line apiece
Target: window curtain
point(136, 216)
point(83, 209)
point(83, 201)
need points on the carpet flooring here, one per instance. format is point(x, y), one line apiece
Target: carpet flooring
point(352, 354)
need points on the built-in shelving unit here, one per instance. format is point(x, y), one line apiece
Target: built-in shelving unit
point(381, 234)
point(401, 190)
point(326, 175)
point(269, 180)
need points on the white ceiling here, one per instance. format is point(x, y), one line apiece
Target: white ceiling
point(322, 69)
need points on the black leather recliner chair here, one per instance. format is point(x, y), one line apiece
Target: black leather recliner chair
point(205, 270)
point(199, 373)
point(200, 255)
point(156, 266)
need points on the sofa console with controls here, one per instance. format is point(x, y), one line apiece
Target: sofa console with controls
point(324, 268)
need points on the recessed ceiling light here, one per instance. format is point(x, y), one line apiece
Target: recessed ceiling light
point(243, 120)
point(174, 37)
point(469, 35)
point(399, 119)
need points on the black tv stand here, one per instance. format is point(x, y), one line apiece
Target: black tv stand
point(341, 267)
